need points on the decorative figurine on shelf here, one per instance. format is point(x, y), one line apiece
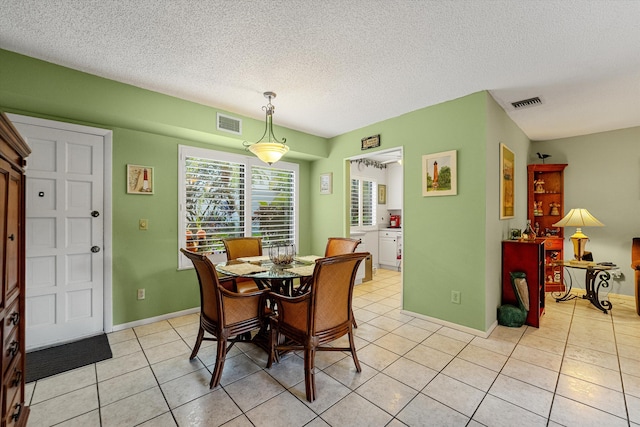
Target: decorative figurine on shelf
point(555, 208)
point(537, 209)
point(528, 234)
point(536, 228)
point(539, 183)
point(551, 232)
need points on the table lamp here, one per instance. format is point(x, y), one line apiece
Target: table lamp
point(579, 218)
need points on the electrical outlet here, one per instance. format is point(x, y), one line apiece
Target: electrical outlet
point(455, 297)
point(141, 294)
point(143, 224)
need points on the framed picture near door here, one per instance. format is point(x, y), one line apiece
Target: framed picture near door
point(507, 182)
point(139, 179)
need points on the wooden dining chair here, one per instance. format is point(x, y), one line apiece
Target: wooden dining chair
point(224, 314)
point(238, 247)
point(335, 246)
point(340, 245)
point(311, 321)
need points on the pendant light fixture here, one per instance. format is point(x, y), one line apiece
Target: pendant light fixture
point(268, 148)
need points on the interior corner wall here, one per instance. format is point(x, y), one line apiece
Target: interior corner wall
point(602, 176)
point(147, 129)
point(501, 129)
point(443, 237)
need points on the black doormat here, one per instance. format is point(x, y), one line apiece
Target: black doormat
point(54, 360)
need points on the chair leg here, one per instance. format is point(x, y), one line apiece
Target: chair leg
point(353, 352)
point(221, 354)
point(198, 342)
point(309, 373)
point(353, 320)
point(273, 341)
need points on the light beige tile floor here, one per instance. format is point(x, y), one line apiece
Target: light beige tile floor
point(581, 368)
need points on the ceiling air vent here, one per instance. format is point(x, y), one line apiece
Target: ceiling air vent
point(229, 124)
point(531, 102)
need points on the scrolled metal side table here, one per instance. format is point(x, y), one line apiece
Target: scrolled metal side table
point(596, 277)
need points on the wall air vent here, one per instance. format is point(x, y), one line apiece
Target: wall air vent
point(531, 102)
point(229, 124)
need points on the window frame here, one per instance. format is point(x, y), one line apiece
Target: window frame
point(374, 200)
point(185, 151)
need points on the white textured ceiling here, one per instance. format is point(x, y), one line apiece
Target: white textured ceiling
point(338, 65)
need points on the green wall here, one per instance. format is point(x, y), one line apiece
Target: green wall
point(501, 129)
point(450, 242)
point(444, 237)
point(147, 129)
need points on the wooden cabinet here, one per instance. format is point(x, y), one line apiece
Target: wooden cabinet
point(394, 186)
point(545, 207)
point(13, 151)
point(527, 257)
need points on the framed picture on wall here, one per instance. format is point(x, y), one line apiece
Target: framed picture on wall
point(382, 194)
point(140, 179)
point(507, 182)
point(439, 174)
point(326, 184)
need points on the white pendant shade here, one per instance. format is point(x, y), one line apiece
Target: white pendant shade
point(269, 152)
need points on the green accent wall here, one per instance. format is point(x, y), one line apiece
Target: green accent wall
point(147, 129)
point(450, 242)
point(443, 237)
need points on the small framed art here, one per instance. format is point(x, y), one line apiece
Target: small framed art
point(382, 194)
point(140, 179)
point(326, 183)
point(515, 233)
point(507, 184)
point(439, 174)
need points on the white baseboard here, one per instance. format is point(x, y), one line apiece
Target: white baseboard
point(155, 319)
point(451, 325)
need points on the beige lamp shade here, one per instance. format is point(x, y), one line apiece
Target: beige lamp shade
point(579, 218)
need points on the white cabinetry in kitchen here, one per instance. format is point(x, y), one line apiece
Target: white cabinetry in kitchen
point(389, 248)
point(394, 186)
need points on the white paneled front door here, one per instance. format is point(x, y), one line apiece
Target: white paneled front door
point(65, 235)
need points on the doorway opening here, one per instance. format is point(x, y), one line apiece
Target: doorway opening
point(375, 184)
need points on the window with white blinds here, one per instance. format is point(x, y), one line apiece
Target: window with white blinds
point(363, 202)
point(225, 195)
point(273, 205)
point(355, 202)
